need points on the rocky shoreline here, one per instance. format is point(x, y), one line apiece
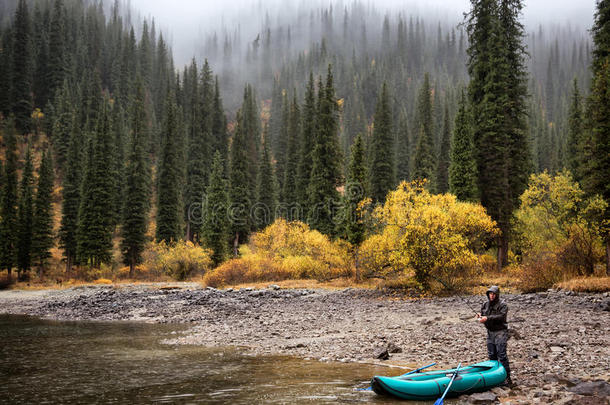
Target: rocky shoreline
point(560, 345)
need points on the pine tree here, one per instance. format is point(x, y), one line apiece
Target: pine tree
point(275, 117)
point(282, 142)
point(215, 226)
point(71, 194)
point(169, 204)
point(137, 186)
point(266, 190)
point(95, 216)
point(251, 127)
point(26, 212)
point(442, 169)
point(289, 190)
point(497, 92)
point(22, 62)
point(424, 161)
point(42, 239)
point(355, 192)
point(9, 200)
point(403, 149)
point(575, 146)
point(57, 68)
point(382, 146)
point(326, 159)
point(463, 168)
point(240, 178)
point(197, 159)
point(62, 122)
point(6, 72)
point(308, 139)
point(117, 167)
point(219, 125)
point(598, 165)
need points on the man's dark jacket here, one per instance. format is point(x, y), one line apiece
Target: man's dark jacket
point(495, 311)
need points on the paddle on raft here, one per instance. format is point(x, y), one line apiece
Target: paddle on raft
point(417, 370)
point(455, 373)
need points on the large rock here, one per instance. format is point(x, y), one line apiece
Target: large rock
point(591, 388)
point(382, 354)
point(392, 348)
point(482, 398)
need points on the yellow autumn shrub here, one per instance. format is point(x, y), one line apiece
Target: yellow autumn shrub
point(559, 227)
point(179, 260)
point(426, 236)
point(285, 250)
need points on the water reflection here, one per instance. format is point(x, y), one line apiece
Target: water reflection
point(94, 362)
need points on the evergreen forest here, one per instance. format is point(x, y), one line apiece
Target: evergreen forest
point(330, 141)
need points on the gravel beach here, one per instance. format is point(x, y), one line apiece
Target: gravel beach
point(559, 349)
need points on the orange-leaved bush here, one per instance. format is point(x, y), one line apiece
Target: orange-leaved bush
point(285, 250)
point(426, 235)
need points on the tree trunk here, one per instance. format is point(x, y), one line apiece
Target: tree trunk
point(189, 237)
point(132, 266)
point(68, 265)
point(608, 256)
point(502, 252)
point(236, 244)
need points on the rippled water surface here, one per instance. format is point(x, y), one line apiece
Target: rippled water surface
point(94, 362)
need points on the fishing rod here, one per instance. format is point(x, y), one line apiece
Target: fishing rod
point(456, 293)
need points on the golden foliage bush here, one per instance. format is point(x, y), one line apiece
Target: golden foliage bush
point(179, 260)
point(557, 222)
point(425, 235)
point(285, 250)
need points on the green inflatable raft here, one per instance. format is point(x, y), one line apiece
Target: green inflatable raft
point(431, 384)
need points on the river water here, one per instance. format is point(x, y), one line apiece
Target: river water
point(48, 362)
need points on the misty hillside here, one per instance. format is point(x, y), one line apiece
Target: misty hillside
point(278, 114)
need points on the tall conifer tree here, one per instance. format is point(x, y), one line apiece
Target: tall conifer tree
point(22, 72)
point(382, 145)
point(215, 226)
point(9, 200)
point(289, 190)
point(355, 187)
point(497, 92)
point(308, 139)
point(71, 193)
point(266, 190)
point(326, 159)
point(240, 178)
point(598, 165)
point(42, 240)
point(463, 168)
point(57, 47)
point(26, 213)
point(403, 149)
point(169, 205)
point(137, 185)
point(424, 161)
point(442, 168)
point(95, 216)
point(576, 138)
point(196, 165)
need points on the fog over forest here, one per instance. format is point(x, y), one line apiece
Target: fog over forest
point(188, 21)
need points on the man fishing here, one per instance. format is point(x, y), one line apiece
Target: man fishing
point(493, 315)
